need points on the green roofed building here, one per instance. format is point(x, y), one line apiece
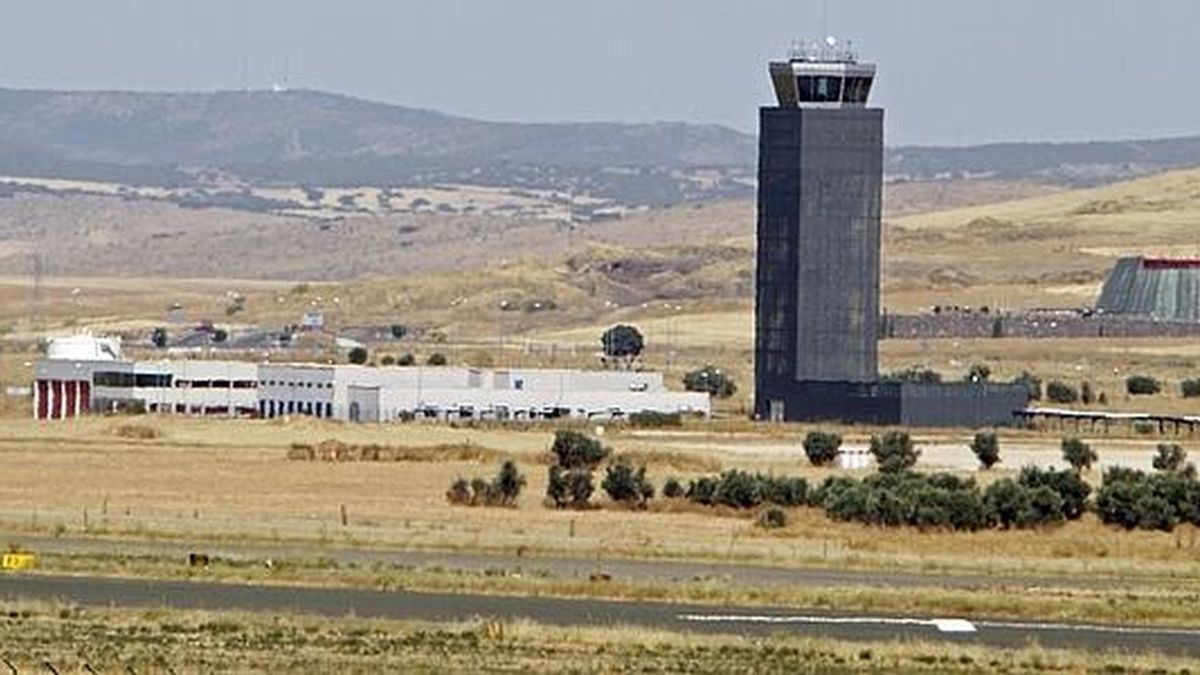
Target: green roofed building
point(1167, 289)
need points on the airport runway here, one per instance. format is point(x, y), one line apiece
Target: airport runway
point(104, 592)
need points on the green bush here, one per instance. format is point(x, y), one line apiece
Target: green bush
point(406, 360)
point(569, 488)
point(627, 485)
point(1032, 382)
point(501, 491)
point(436, 359)
point(650, 419)
point(1079, 455)
point(388, 360)
point(894, 451)
point(711, 380)
point(1134, 500)
point(357, 356)
point(986, 447)
point(672, 488)
point(1190, 388)
point(914, 374)
point(743, 490)
point(1071, 489)
point(1061, 392)
point(573, 450)
point(978, 372)
point(822, 447)
point(772, 518)
point(1142, 385)
point(1170, 458)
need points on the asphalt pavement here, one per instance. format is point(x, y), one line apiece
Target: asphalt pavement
point(440, 607)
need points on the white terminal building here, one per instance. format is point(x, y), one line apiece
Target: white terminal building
point(79, 377)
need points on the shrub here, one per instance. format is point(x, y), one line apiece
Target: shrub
point(159, 337)
point(1142, 385)
point(783, 490)
point(436, 359)
point(672, 488)
point(986, 447)
point(459, 492)
point(702, 490)
point(398, 331)
point(1132, 499)
point(655, 419)
point(388, 360)
point(1067, 484)
point(1061, 392)
point(1032, 382)
point(357, 356)
point(1171, 458)
point(914, 374)
point(573, 450)
point(894, 451)
point(822, 447)
point(1190, 388)
point(978, 372)
point(772, 518)
point(710, 379)
point(406, 360)
point(508, 484)
point(1079, 455)
point(743, 490)
point(557, 490)
point(623, 342)
point(1086, 396)
point(579, 487)
point(627, 485)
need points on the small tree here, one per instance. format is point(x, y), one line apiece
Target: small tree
point(436, 359)
point(1061, 392)
point(1086, 396)
point(398, 331)
point(627, 485)
point(894, 451)
point(159, 337)
point(986, 447)
point(1171, 458)
point(1079, 455)
point(624, 343)
point(508, 484)
point(579, 487)
point(710, 379)
point(822, 447)
point(557, 490)
point(1032, 382)
point(1190, 388)
point(406, 360)
point(1142, 385)
point(978, 372)
point(573, 450)
point(357, 355)
point(672, 488)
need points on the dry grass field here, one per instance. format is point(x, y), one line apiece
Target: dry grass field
point(200, 480)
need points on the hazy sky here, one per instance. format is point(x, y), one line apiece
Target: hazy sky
point(951, 71)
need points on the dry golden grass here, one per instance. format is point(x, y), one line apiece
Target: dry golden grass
point(223, 479)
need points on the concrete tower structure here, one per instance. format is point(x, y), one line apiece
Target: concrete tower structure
point(820, 177)
point(820, 181)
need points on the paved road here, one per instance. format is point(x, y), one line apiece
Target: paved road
point(98, 591)
point(742, 575)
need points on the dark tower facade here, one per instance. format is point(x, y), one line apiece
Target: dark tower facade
point(820, 181)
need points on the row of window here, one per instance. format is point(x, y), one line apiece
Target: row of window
point(829, 89)
point(270, 409)
point(119, 379)
point(299, 385)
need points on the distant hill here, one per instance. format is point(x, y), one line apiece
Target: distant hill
point(305, 137)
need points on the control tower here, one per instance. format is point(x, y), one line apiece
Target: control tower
point(820, 176)
point(820, 181)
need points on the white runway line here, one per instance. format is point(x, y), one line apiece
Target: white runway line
point(943, 625)
point(1093, 628)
